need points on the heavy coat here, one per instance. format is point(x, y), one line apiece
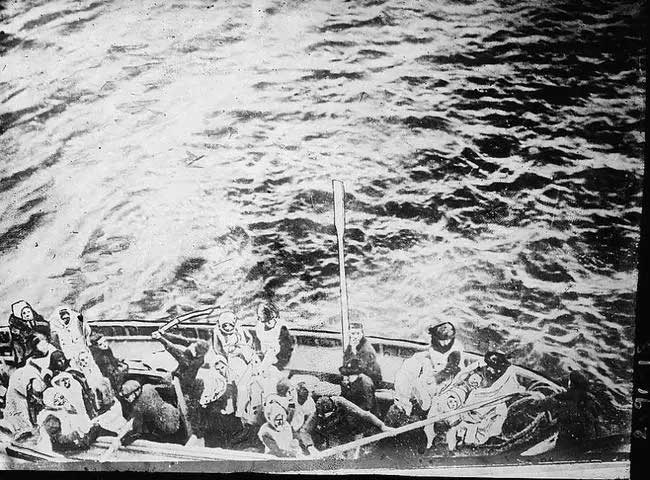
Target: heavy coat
point(153, 416)
point(361, 392)
point(366, 354)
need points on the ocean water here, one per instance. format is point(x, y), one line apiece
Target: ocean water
point(160, 156)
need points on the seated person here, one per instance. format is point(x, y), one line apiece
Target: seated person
point(69, 333)
point(153, 418)
point(304, 407)
point(337, 421)
point(426, 373)
point(23, 322)
point(16, 414)
point(41, 350)
point(356, 386)
point(234, 343)
point(362, 349)
point(577, 412)
point(276, 434)
point(61, 426)
point(189, 354)
point(273, 341)
point(111, 367)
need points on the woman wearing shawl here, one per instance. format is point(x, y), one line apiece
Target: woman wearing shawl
point(23, 323)
point(69, 333)
point(276, 434)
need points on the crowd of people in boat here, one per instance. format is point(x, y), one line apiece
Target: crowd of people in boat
point(67, 388)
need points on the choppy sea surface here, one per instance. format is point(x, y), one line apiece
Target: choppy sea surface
point(159, 156)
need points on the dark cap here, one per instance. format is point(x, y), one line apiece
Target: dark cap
point(443, 331)
point(324, 405)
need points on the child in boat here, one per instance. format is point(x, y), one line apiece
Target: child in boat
point(362, 349)
point(276, 434)
point(23, 322)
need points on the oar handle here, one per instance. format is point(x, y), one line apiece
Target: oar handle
point(407, 428)
point(187, 316)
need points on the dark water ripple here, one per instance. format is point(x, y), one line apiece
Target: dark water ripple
point(158, 156)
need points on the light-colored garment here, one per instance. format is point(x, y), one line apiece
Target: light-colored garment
point(16, 411)
point(71, 338)
point(269, 342)
point(416, 379)
point(74, 393)
point(302, 413)
point(477, 426)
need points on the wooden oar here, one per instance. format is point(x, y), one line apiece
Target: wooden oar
point(188, 316)
point(408, 428)
point(117, 441)
point(339, 224)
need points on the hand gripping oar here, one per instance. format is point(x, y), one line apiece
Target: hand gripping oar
point(117, 441)
point(407, 428)
point(187, 316)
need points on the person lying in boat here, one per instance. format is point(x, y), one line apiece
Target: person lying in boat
point(61, 427)
point(356, 386)
point(276, 434)
point(23, 322)
point(337, 421)
point(189, 354)
point(425, 374)
point(111, 367)
point(153, 418)
point(69, 333)
point(490, 382)
point(362, 349)
point(577, 412)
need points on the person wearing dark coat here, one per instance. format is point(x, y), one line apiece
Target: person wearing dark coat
point(111, 367)
point(337, 421)
point(577, 412)
point(153, 418)
point(361, 348)
point(356, 386)
point(23, 323)
point(189, 354)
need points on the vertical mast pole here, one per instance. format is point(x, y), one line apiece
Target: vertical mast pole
point(339, 224)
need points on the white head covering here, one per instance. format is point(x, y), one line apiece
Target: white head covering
point(17, 308)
